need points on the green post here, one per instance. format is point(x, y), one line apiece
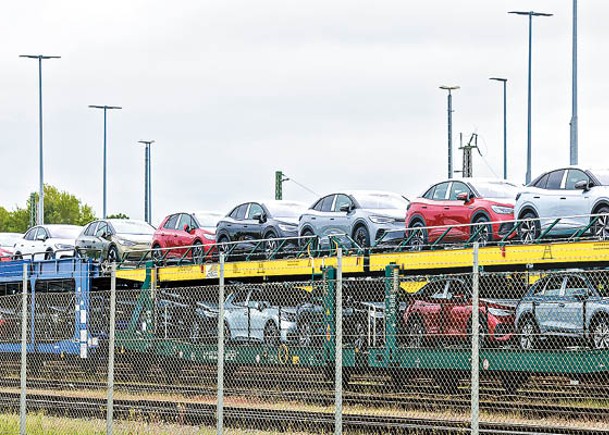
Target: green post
point(278, 185)
point(329, 312)
point(32, 209)
point(391, 309)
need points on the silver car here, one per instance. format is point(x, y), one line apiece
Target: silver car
point(363, 215)
point(571, 194)
point(563, 305)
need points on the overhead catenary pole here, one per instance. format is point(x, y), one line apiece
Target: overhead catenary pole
point(105, 109)
point(450, 127)
point(504, 81)
point(278, 185)
point(40, 58)
point(147, 181)
point(530, 14)
point(574, 151)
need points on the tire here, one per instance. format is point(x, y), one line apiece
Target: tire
point(197, 252)
point(360, 337)
point(529, 229)
point(271, 334)
point(157, 254)
point(485, 235)
point(227, 334)
point(270, 245)
point(483, 340)
point(528, 334)
point(112, 254)
point(18, 256)
point(223, 244)
point(361, 236)
point(415, 333)
point(599, 333)
point(49, 255)
point(600, 229)
point(313, 243)
point(195, 333)
point(306, 334)
point(419, 239)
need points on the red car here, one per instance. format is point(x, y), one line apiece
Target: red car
point(5, 255)
point(456, 204)
point(442, 309)
point(186, 236)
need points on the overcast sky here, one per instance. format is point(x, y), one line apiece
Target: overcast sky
point(337, 94)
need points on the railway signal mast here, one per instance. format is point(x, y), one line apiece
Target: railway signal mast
point(468, 163)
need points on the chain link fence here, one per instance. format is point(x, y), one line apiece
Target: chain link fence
point(478, 352)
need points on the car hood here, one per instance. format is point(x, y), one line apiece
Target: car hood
point(500, 303)
point(137, 238)
point(286, 220)
point(391, 212)
point(55, 241)
point(502, 201)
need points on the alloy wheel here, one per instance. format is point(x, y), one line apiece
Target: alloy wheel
point(601, 227)
point(528, 335)
point(528, 231)
point(416, 333)
point(600, 335)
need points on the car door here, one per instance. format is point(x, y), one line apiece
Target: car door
point(546, 304)
point(252, 228)
point(575, 204)
point(101, 241)
point(168, 235)
point(436, 213)
point(182, 238)
point(432, 308)
point(84, 243)
point(457, 213)
point(548, 201)
point(572, 305)
point(342, 215)
point(320, 219)
point(27, 245)
point(237, 314)
point(236, 222)
point(256, 314)
point(457, 308)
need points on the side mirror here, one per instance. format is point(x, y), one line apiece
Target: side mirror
point(257, 217)
point(345, 208)
point(41, 237)
point(262, 218)
point(463, 196)
point(255, 305)
point(581, 295)
point(582, 185)
point(186, 228)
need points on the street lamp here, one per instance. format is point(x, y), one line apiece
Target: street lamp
point(450, 127)
point(40, 58)
point(105, 108)
point(573, 158)
point(147, 181)
point(530, 14)
point(504, 81)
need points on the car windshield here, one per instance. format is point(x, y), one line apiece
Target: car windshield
point(286, 209)
point(491, 189)
point(132, 227)
point(208, 220)
point(381, 201)
point(67, 232)
point(603, 176)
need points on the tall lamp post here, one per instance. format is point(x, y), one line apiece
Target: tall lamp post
point(450, 127)
point(504, 81)
point(147, 181)
point(573, 154)
point(530, 14)
point(40, 58)
point(105, 109)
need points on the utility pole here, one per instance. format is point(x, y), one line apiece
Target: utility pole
point(573, 158)
point(450, 127)
point(147, 181)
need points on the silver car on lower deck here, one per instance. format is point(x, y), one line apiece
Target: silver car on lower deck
point(363, 215)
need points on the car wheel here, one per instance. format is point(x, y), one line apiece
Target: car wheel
point(49, 255)
point(485, 233)
point(18, 256)
point(306, 336)
point(529, 229)
point(483, 338)
point(360, 337)
point(157, 254)
point(416, 333)
point(271, 334)
point(600, 228)
point(270, 244)
point(528, 334)
point(112, 254)
point(599, 334)
point(310, 239)
point(418, 236)
point(197, 252)
point(227, 334)
point(195, 332)
point(223, 244)
point(362, 237)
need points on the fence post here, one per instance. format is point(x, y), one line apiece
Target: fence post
point(475, 398)
point(220, 404)
point(111, 338)
point(338, 345)
point(22, 399)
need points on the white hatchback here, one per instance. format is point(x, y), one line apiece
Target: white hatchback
point(45, 242)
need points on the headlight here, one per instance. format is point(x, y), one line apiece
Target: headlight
point(288, 316)
point(209, 236)
point(499, 313)
point(288, 228)
point(63, 246)
point(381, 219)
point(126, 242)
point(502, 210)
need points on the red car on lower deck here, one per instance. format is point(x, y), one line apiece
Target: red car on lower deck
point(442, 310)
point(456, 205)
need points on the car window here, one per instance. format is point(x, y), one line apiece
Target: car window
point(255, 209)
point(541, 183)
point(31, 234)
point(573, 176)
point(102, 228)
point(553, 286)
point(326, 203)
point(458, 288)
point(342, 200)
point(239, 212)
point(429, 193)
point(185, 219)
point(240, 297)
point(576, 284)
point(90, 231)
point(171, 223)
point(458, 188)
point(439, 193)
point(439, 289)
point(42, 232)
point(555, 179)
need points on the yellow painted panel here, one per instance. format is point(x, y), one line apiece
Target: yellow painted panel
point(132, 274)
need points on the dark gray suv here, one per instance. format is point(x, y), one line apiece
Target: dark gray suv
point(563, 305)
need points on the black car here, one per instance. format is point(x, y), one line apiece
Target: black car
point(251, 222)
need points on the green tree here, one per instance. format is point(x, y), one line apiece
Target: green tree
point(118, 216)
point(59, 208)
